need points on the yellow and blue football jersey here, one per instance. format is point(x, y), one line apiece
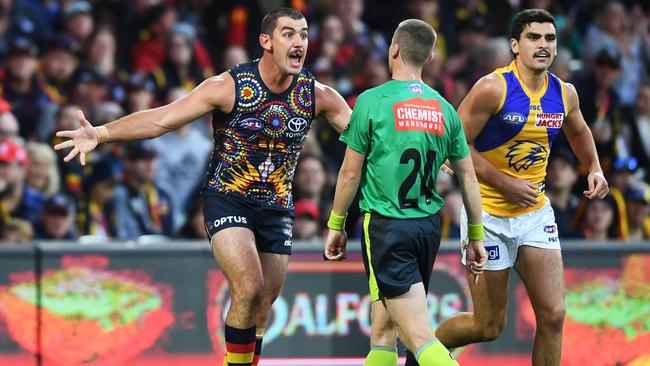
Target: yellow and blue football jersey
point(517, 138)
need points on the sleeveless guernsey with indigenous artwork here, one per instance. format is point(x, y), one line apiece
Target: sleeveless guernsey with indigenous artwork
point(517, 138)
point(257, 145)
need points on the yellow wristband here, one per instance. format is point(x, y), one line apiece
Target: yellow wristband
point(475, 231)
point(336, 222)
point(102, 134)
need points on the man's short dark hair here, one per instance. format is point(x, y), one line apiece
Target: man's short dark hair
point(416, 40)
point(271, 19)
point(525, 17)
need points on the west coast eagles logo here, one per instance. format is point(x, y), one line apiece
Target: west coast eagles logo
point(524, 154)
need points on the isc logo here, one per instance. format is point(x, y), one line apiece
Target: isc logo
point(492, 252)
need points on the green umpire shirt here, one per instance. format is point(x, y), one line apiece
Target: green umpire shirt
point(406, 130)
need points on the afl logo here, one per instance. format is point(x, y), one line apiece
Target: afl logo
point(252, 124)
point(297, 124)
point(416, 88)
point(513, 117)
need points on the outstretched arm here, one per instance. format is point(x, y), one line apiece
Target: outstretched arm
point(215, 92)
point(331, 105)
point(482, 101)
point(582, 143)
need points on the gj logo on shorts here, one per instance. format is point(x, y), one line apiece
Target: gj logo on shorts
point(230, 219)
point(492, 252)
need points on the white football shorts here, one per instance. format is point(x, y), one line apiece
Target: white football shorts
point(504, 235)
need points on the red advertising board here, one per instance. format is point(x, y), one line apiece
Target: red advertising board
point(65, 306)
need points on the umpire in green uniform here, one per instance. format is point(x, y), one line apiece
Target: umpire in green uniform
point(399, 135)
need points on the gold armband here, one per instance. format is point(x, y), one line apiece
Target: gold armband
point(102, 134)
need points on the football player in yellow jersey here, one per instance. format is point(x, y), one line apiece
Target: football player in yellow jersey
point(511, 117)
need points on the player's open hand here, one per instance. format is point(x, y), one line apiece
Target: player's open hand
point(335, 245)
point(598, 186)
point(520, 192)
point(475, 258)
point(82, 140)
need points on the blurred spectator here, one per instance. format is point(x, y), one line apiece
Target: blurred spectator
point(611, 31)
point(66, 117)
point(326, 48)
point(309, 181)
point(16, 198)
point(180, 69)
point(599, 102)
point(141, 206)
point(561, 66)
point(436, 76)
point(43, 172)
point(450, 213)
point(17, 231)
point(57, 218)
point(474, 14)
point(140, 93)
point(108, 111)
point(182, 157)
point(429, 11)
point(234, 55)
point(22, 89)
point(21, 19)
point(194, 227)
point(78, 21)
point(306, 224)
point(636, 133)
point(359, 43)
point(58, 64)
point(598, 220)
point(561, 176)
point(637, 200)
point(96, 214)
point(623, 173)
point(374, 73)
point(149, 51)
point(88, 91)
point(311, 145)
point(102, 54)
point(622, 179)
point(494, 54)
point(8, 123)
point(102, 50)
point(469, 37)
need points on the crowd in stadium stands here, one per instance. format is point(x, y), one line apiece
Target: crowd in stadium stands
point(111, 58)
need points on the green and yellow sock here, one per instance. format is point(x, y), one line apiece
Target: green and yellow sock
point(240, 346)
point(381, 356)
point(434, 353)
